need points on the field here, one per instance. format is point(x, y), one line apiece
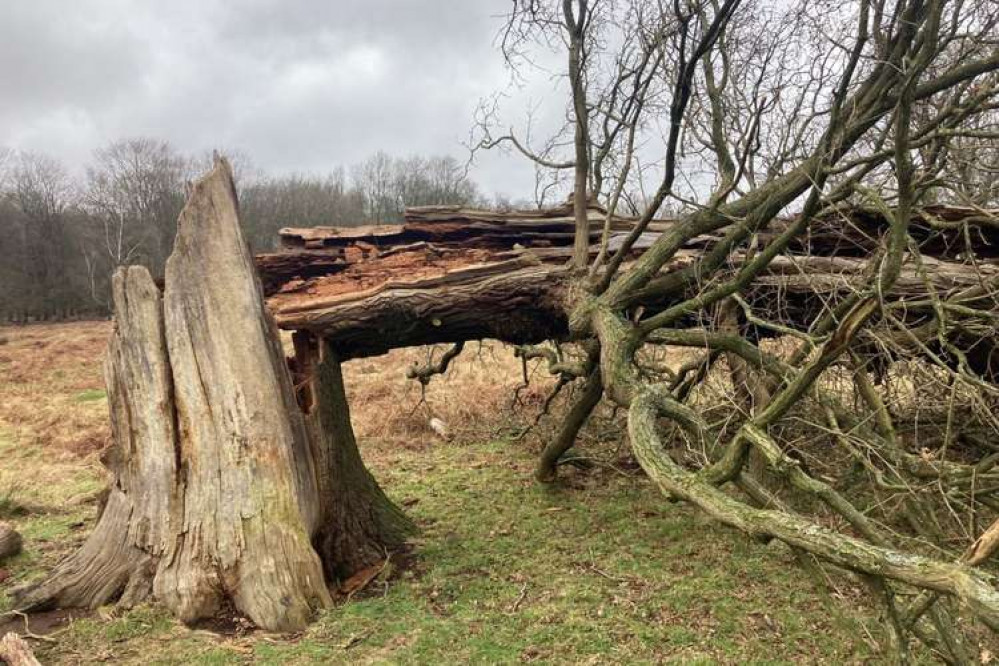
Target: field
point(597, 569)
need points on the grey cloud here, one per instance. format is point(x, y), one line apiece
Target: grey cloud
point(296, 85)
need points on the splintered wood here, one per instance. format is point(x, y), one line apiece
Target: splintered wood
point(330, 261)
point(341, 282)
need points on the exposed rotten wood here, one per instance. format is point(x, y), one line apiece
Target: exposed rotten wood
point(15, 651)
point(448, 226)
point(450, 274)
point(517, 301)
point(432, 238)
point(226, 491)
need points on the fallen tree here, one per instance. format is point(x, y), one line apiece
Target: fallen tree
point(467, 279)
point(869, 269)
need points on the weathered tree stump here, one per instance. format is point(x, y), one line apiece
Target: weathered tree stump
point(221, 492)
point(10, 541)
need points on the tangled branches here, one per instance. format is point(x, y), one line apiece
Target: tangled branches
point(860, 358)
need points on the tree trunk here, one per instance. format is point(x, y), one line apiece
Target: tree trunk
point(220, 489)
point(356, 530)
point(519, 305)
point(450, 275)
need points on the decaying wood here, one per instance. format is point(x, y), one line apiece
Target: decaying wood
point(358, 528)
point(455, 226)
point(115, 560)
point(440, 278)
point(501, 301)
point(10, 541)
point(219, 487)
point(242, 443)
point(15, 651)
point(430, 236)
point(984, 546)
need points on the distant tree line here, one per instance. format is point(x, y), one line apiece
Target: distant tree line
point(62, 237)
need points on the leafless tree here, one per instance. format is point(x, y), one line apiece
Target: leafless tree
point(757, 110)
point(136, 189)
point(40, 242)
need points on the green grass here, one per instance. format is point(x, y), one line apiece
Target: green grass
point(90, 395)
point(51, 505)
point(506, 571)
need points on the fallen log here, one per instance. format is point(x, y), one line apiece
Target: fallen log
point(462, 285)
point(15, 651)
point(455, 226)
point(517, 301)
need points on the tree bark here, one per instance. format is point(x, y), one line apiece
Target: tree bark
point(220, 489)
point(749, 387)
point(509, 301)
point(357, 529)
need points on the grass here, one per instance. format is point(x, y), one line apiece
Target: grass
point(599, 569)
point(90, 395)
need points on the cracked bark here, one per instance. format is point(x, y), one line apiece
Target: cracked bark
point(221, 492)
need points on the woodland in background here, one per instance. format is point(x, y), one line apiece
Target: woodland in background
point(62, 238)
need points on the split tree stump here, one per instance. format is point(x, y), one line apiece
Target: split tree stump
point(223, 491)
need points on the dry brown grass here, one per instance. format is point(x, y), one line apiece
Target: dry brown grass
point(478, 398)
point(52, 396)
point(53, 408)
point(53, 414)
point(51, 387)
point(52, 391)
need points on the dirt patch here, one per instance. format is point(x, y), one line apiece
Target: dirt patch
point(42, 624)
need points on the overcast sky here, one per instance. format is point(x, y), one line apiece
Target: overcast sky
point(297, 85)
